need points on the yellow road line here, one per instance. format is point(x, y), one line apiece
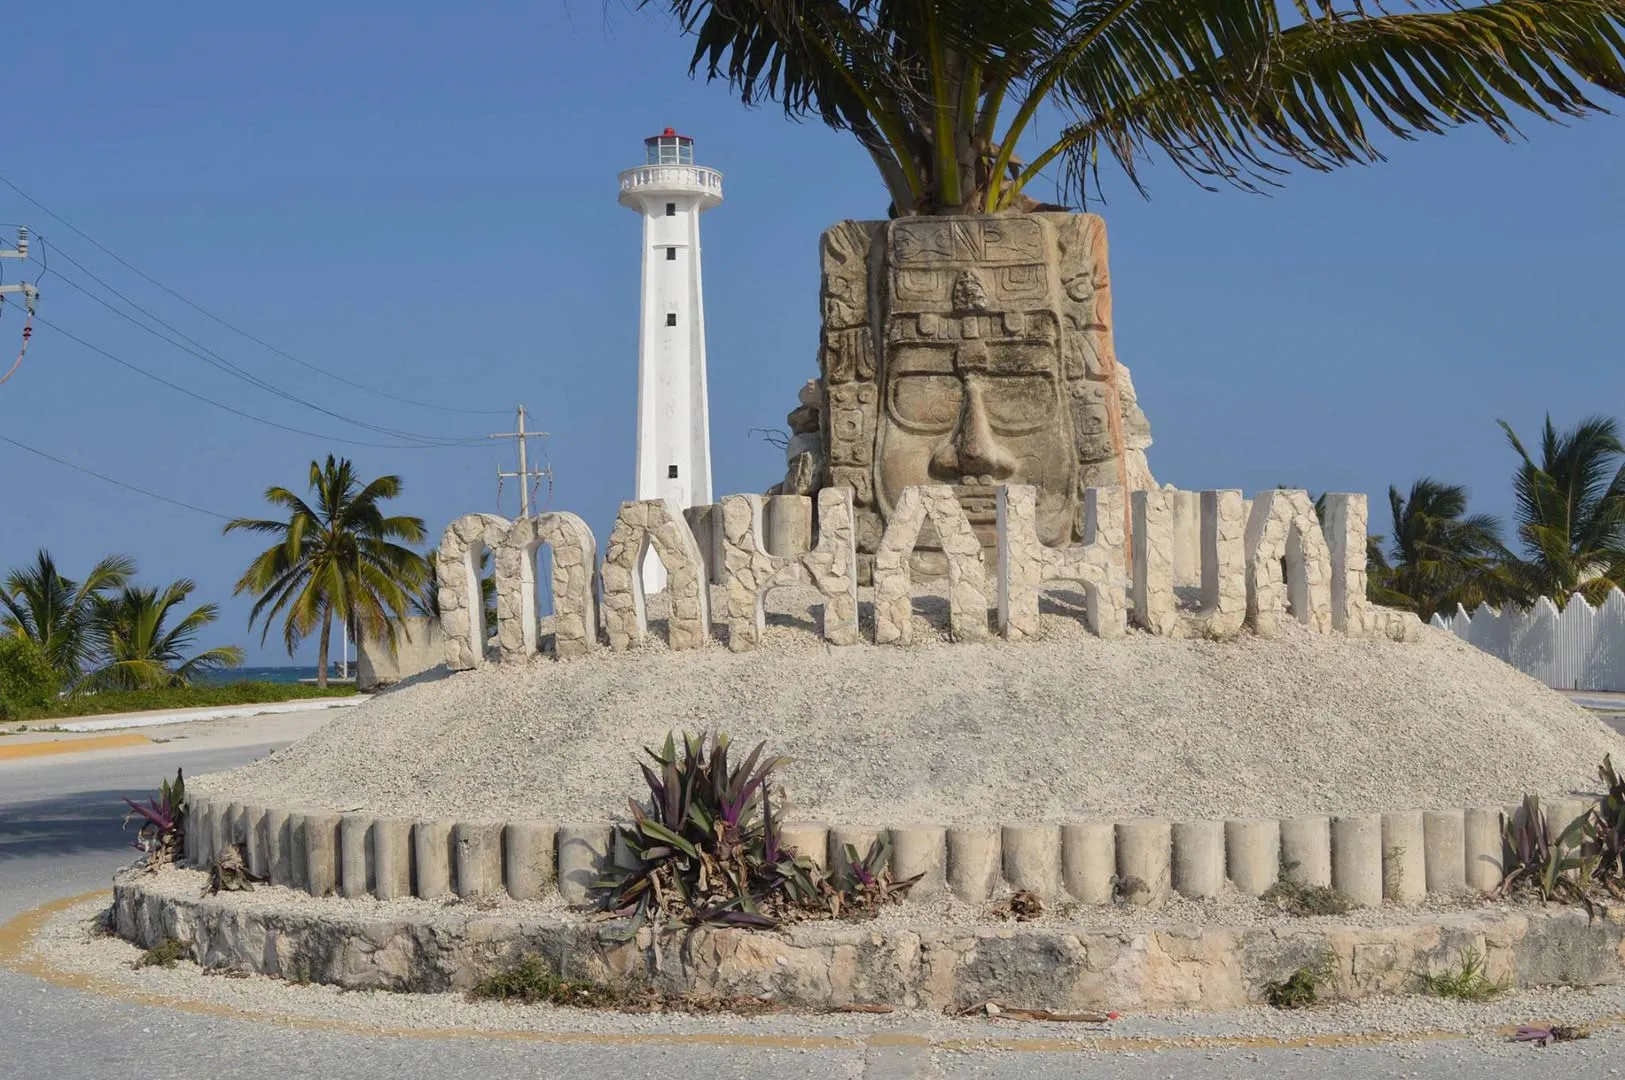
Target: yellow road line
point(17, 935)
point(8, 751)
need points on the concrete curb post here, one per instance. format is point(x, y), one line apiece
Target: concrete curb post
point(234, 830)
point(1357, 859)
point(1252, 852)
point(357, 873)
point(861, 837)
point(1031, 856)
point(189, 832)
point(278, 847)
point(298, 862)
point(1482, 846)
point(256, 848)
point(921, 849)
point(392, 858)
point(431, 855)
point(1198, 859)
point(583, 857)
point(1404, 857)
point(973, 861)
point(1444, 842)
point(321, 853)
point(208, 832)
point(1089, 860)
point(478, 847)
point(1306, 850)
point(809, 839)
point(1144, 854)
point(528, 858)
point(1561, 813)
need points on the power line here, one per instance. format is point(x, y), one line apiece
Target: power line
point(228, 408)
point(208, 356)
point(117, 483)
point(230, 326)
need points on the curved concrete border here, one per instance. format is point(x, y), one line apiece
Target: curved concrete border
point(834, 964)
point(1398, 857)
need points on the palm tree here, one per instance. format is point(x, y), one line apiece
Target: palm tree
point(55, 612)
point(1230, 90)
point(1571, 511)
point(1440, 556)
point(138, 652)
point(338, 558)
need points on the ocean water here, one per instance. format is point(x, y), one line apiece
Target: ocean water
point(284, 674)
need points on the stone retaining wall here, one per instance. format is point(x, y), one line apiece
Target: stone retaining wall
point(825, 964)
point(1399, 857)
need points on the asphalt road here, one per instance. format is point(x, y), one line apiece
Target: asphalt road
point(60, 836)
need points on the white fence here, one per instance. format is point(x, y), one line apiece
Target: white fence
point(1577, 648)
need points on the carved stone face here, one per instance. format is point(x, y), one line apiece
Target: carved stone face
point(973, 390)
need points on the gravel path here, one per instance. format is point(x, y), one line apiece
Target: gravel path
point(1067, 727)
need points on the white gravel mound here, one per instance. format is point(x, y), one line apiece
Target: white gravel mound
point(1066, 728)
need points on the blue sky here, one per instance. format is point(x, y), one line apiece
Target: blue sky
point(422, 197)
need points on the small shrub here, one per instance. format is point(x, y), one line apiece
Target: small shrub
point(531, 982)
point(1467, 981)
point(1556, 869)
point(28, 683)
point(165, 954)
point(163, 823)
point(1302, 988)
point(1302, 901)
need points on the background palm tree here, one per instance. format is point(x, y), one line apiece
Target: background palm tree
point(1232, 90)
point(55, 612)
point(1571, 511)
point(1440, 555)
point(138, 652)
point(337, 558)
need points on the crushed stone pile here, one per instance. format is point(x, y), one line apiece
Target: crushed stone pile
point(1065, 728)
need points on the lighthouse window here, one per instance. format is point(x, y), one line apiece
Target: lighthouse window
point(671, 254)
point(671, 318)
point(671, 209)
point(671, 472)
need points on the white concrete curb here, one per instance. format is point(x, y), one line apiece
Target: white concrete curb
point(186, 716)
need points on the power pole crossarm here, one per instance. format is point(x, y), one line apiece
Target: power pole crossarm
point(525, 472)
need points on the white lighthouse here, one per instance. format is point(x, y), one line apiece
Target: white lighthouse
point(674, 430)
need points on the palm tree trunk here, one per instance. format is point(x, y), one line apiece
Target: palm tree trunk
point(327, 640)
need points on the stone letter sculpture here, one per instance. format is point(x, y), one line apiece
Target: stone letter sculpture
point(1283, 525)
point(749, 571)
point(972, 352)
point(574, 586)
point(967, 572)
point(1025, 564)
point(1219, 543)
point(655, 523)
point(457, 578)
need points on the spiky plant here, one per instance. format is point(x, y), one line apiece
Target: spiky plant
point(163, 823)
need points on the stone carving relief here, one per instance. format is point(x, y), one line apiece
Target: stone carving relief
point(656, 524)
point(1026, 565)
point(967, 570)
point(457, 581)
point(574, 586)
point(831, 566)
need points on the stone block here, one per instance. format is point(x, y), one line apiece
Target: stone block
point(1032, 858)
point(1253, 854)
point(749, 571)
point(573, 586)
point(974, 861)
point(356, 868)
point(1155, 607)
point(457, 577)
point(920, 849)
point(432, 858)
point(655, 524)
point(1283, 526)
point(1404, 857)
point(392, 858)
point(1198, 859)
point(808, 839)
point(1187, 537)
point(529, 858)
point(1026, 564)
point(1444, 845)
point(321, 833)
point(1089, 860)
point(1306, 850)
point(1357, 858)
point(788, 523)
point(1144, 860)
point(584, 857)
point(1346, 526)
point(967, 576)
point(703, 522)
point(1482, 841)
point(477, 851)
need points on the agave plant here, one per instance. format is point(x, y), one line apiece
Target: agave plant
point(163, 823)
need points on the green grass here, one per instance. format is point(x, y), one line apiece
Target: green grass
point(184, 697)
point(166, 954)
point(1465, 982)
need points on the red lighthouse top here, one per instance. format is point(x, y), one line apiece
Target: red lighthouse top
point(668, 148)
